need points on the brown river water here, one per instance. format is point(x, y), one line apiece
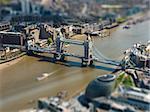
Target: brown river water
point(19, 88)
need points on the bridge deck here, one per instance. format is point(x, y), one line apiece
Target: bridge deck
point(77, 42)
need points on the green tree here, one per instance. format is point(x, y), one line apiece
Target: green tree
point(128, 81)
point(4, 1)
point(49, 40)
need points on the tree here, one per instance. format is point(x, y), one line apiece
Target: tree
point(4, 1)
point(49, 40)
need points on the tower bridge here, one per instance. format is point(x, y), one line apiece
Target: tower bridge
point(91, 53)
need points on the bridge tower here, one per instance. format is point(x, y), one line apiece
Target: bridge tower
point(88, 56)
point(59, 51)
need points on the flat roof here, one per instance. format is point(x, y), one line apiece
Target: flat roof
point(4, 32)
point(4, 23)
point(144, 95)
point(108, 77)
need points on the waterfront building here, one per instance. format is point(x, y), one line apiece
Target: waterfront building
point(5, 26)
point(101, 86)
point(12, 39)
point(56, 104)
point(138, 56)
point(112, 106)
point(137, 97)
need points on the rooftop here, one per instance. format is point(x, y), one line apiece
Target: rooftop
point(13, 33)
point(105, 78)
point(138, 93)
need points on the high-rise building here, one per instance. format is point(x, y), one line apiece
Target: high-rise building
point(30, 7)
point(25, 6)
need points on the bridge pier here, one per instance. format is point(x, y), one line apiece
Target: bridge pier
point(30, 52)
point(59, 57)
point(91, 63)
point(84, 62)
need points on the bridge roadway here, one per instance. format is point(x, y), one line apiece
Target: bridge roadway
point(77, 42)
point(97, 57)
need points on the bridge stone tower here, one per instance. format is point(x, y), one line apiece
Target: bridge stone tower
point(88, 56)
point(59, 51)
